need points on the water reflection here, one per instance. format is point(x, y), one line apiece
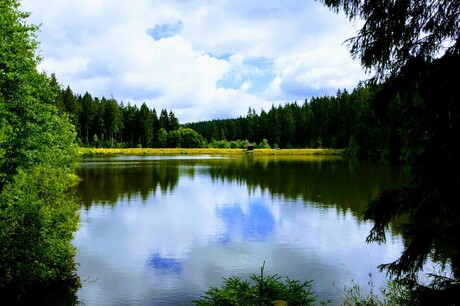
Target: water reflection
point(105, 181)
point(257, 223)
point(166, 265)
point(175, 227)
point(325, 180)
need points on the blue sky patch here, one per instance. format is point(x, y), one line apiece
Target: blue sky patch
point(165, 30)
point(223, 56)
point(258, 71)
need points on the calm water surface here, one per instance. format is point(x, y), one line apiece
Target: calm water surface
point(162, 230)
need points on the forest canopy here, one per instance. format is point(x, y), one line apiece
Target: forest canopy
point(346, 120)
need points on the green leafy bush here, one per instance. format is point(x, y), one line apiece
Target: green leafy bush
point(38, 150)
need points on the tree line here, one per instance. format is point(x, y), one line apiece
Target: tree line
point(346, 120)
point(104, 122)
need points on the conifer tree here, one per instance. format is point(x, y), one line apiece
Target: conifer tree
point(413, 46)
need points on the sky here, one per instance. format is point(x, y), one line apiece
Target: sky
point(202, 59)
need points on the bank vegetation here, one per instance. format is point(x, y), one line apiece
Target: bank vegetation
point(206, 151)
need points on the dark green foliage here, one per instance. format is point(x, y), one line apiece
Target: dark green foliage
point(328, 121)
point(164, 119)
point(66, 102)
point(397, 32)
point(115, 124)
point(37, 223)
point(414, 47)
point(432, 152)
point(173, 122)
point(38, 156)
point(146, 126)
point(262, 290)
point(333, 120)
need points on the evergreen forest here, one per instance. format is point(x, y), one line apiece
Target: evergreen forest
point(346, 120)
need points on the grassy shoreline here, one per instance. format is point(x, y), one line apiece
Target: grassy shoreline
point(205, 151)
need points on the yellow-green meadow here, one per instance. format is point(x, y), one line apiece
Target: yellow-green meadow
point(206, 151)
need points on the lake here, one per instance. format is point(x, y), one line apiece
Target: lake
point(161, 230)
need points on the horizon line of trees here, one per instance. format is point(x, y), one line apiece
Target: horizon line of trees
point(102, 122)
point(346, 120)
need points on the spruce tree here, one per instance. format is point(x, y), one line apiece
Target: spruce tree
point(413, 47)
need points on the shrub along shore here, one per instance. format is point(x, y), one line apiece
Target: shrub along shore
point(205, 151)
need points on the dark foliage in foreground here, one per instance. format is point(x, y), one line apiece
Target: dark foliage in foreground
point(262, 290)
point(414, 48)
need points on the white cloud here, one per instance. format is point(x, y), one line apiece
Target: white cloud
point(318, 72)
point(104, 47)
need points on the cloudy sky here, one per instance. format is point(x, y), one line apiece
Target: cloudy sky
point(201, 59)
